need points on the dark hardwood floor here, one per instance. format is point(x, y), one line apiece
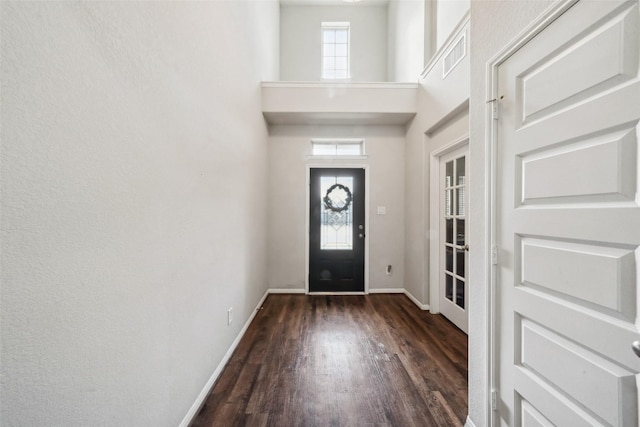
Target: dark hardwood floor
point(374, 360)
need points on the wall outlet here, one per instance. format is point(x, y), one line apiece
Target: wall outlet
point(229, 315)
point(389, 270)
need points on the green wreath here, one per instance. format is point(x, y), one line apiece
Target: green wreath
point(328, 203)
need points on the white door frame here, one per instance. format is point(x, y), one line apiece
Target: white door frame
point(366, 220)
point(491, 148)
point(434, 219)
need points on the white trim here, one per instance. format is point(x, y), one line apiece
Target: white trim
point(195, 408)
point(415, 301)
point(347, 85)
point(489, 238)
point(336, 25)
point(337, 140)
point(286, 291)
point(346, 25)
point(434, 218)
point(311, 157)
point(387, 291)
point(491, 141)
point(366, 218)
point(469, 422)
point(448, 43)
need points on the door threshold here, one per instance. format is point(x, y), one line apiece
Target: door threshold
point(337, 293)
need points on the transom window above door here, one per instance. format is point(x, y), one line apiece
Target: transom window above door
point(337, 147)
point(335, 50)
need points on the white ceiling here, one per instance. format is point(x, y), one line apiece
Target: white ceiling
point(333, 3)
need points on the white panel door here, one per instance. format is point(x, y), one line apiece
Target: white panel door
point(454, 247)
point(568, 222)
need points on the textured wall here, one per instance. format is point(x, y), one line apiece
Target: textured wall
point(493, 25)
point(289, 147)
point(448, 15)
point(133, 180)
point(300, 41)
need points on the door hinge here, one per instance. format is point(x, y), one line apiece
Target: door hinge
point(494, 400)
point(494, 108)
point(494, 255)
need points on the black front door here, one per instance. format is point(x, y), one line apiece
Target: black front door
point(336, 227)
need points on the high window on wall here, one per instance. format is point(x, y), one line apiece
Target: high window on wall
point(337, 147)
point(335, 50)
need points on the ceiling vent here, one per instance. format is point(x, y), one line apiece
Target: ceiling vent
point(454, 56)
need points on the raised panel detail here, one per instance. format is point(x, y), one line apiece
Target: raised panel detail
point(555, 405)
point(598, 169)
point(603, 388)
point(596, 60)
point(601, 275)
point(567, 219)
point(347, 270)
point(531, 417)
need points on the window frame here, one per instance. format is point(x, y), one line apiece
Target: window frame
point(336, 142)
point(345, 25)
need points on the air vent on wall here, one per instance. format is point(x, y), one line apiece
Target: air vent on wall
point(454, 56)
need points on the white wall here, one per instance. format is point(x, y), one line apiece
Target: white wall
point(488, 38)
point(412, 31)
point(445, 95)
point(300, 41)
point(442, 113)
point(419, 148)
point(134, 169)
point(289, 147)
point(448, 15)
point(406, 25)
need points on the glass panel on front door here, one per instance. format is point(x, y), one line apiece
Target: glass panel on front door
point(336, 221)
point(455, 242)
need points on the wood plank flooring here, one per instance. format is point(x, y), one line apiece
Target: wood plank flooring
point(374, 360)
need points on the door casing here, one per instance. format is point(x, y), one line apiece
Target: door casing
point(434, 219)
point(449, 308)
point(366, 220)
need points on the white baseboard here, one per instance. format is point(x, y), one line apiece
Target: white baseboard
point(469, 423)
point(195, 408)
point(415, 301)
point(387, 291)
point(285, 291)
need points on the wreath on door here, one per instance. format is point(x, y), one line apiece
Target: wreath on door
point(328, 201)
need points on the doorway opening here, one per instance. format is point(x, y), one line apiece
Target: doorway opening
point(453, 237)
point(449, 242)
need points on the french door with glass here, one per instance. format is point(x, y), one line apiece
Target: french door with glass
point(454, 196)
